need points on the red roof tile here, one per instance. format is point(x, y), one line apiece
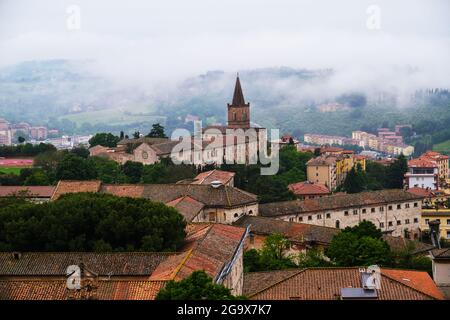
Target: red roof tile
point(308, 188)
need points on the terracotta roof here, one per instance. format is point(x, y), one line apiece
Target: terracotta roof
point(422, 162)
point(400, 243)
point(72, 186)
point(28, 191)
point(138, 141)
point(326, 284)
point(435, 155)
point(214, 175)
point(209, 247)
point(426, 193)
point(308, 188)
point(46, 289)
point(367, 198)
point(441, 253)
point(224, 196)
point(291, 230)
point(187, 206)
point(56, 263)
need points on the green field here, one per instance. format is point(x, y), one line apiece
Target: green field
point(443, 147)
point(111, 117)
point(10, 170)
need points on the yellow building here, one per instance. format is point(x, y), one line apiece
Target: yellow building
point(443, 215)
point(331, 170)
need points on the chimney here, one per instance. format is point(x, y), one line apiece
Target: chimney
point(434, 233)
point(216, 184)
point(16, 255)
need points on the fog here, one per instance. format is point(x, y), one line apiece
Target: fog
point(371, 45)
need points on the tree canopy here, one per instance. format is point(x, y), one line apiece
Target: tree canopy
point(157, 131)
point(104, 139)
point(198, 286)
point(90, 222)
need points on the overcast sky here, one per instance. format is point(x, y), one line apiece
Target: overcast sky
point(155, 40)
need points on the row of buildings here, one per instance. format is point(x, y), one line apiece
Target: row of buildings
point(8, 131)
point(223, 222)
point(385, 141)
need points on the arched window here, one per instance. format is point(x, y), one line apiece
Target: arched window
point(234, 116)
point(236, 215)
point(224, 216)
point(250, 212)
point(244, 115)
point(337, 224)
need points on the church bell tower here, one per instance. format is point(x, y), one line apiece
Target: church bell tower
point(238, 110)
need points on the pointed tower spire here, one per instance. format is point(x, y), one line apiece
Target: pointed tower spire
point(238, 97)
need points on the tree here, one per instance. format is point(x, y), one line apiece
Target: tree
point(359, 246)
point(271, 257)
point(136, 134)
point(104, 139)
point(355, 181)
point(91, 222)
point(73, 167)
point(108, 171)
point(133, 171)
point(21, 139)
point(198, 286)
point(396, 173)
point(157, 131)
point(81, 152)
point(37, 178)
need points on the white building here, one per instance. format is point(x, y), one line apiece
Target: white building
point(422, 173)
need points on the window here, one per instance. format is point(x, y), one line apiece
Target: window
point(309, 217)
point(364, 210)
point(427, 220)
point(212, 216)
point(407, 221)
point(381, 224)
point(345, 213)
point(381, 209)
point(406, 205)
point(390, 224)
point(234, 115)
point(338, 224)
point(355, 212)
point(300, 219)
point(448, 222)
point(415, 204)
point(399, 222)
point(329, 216)
point(448, 234)
point(319, 216)
point(390, 208)
point(399, 206)
point(372, 209)
point(291, 219)
point(235, 215)
point(416, 220)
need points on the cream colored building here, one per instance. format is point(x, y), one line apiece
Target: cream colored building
point(395, 212)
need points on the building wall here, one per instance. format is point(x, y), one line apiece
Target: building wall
point(384, 216)
point(235, 279)
point(441, 272)
point(145, 154)
point(443, 215)
point(323, 174)
point(226, 215)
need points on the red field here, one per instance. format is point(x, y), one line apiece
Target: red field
point(16, 162)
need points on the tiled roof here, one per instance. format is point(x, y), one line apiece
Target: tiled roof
point(422, 162)
point(29, 191)
point(435, 155)
point(291, 230)
point(51, 289)
point(426, 193)
point(336, 202)
point(214, 175)
point(400, 243)
point(209, 247)
point(223, 196)
point(323, 160)
point(56, 263)
point(187, 206)
point(326, 284)
point(147, 140)
point(72, 186)
point(308, 188)
point(256, 281)
point(441, 253)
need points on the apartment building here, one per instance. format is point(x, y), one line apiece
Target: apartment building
point(331, 169)
point(396, 212)
point(441, 215)
point(422, 173)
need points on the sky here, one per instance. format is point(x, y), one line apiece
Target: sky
point(150, 41)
